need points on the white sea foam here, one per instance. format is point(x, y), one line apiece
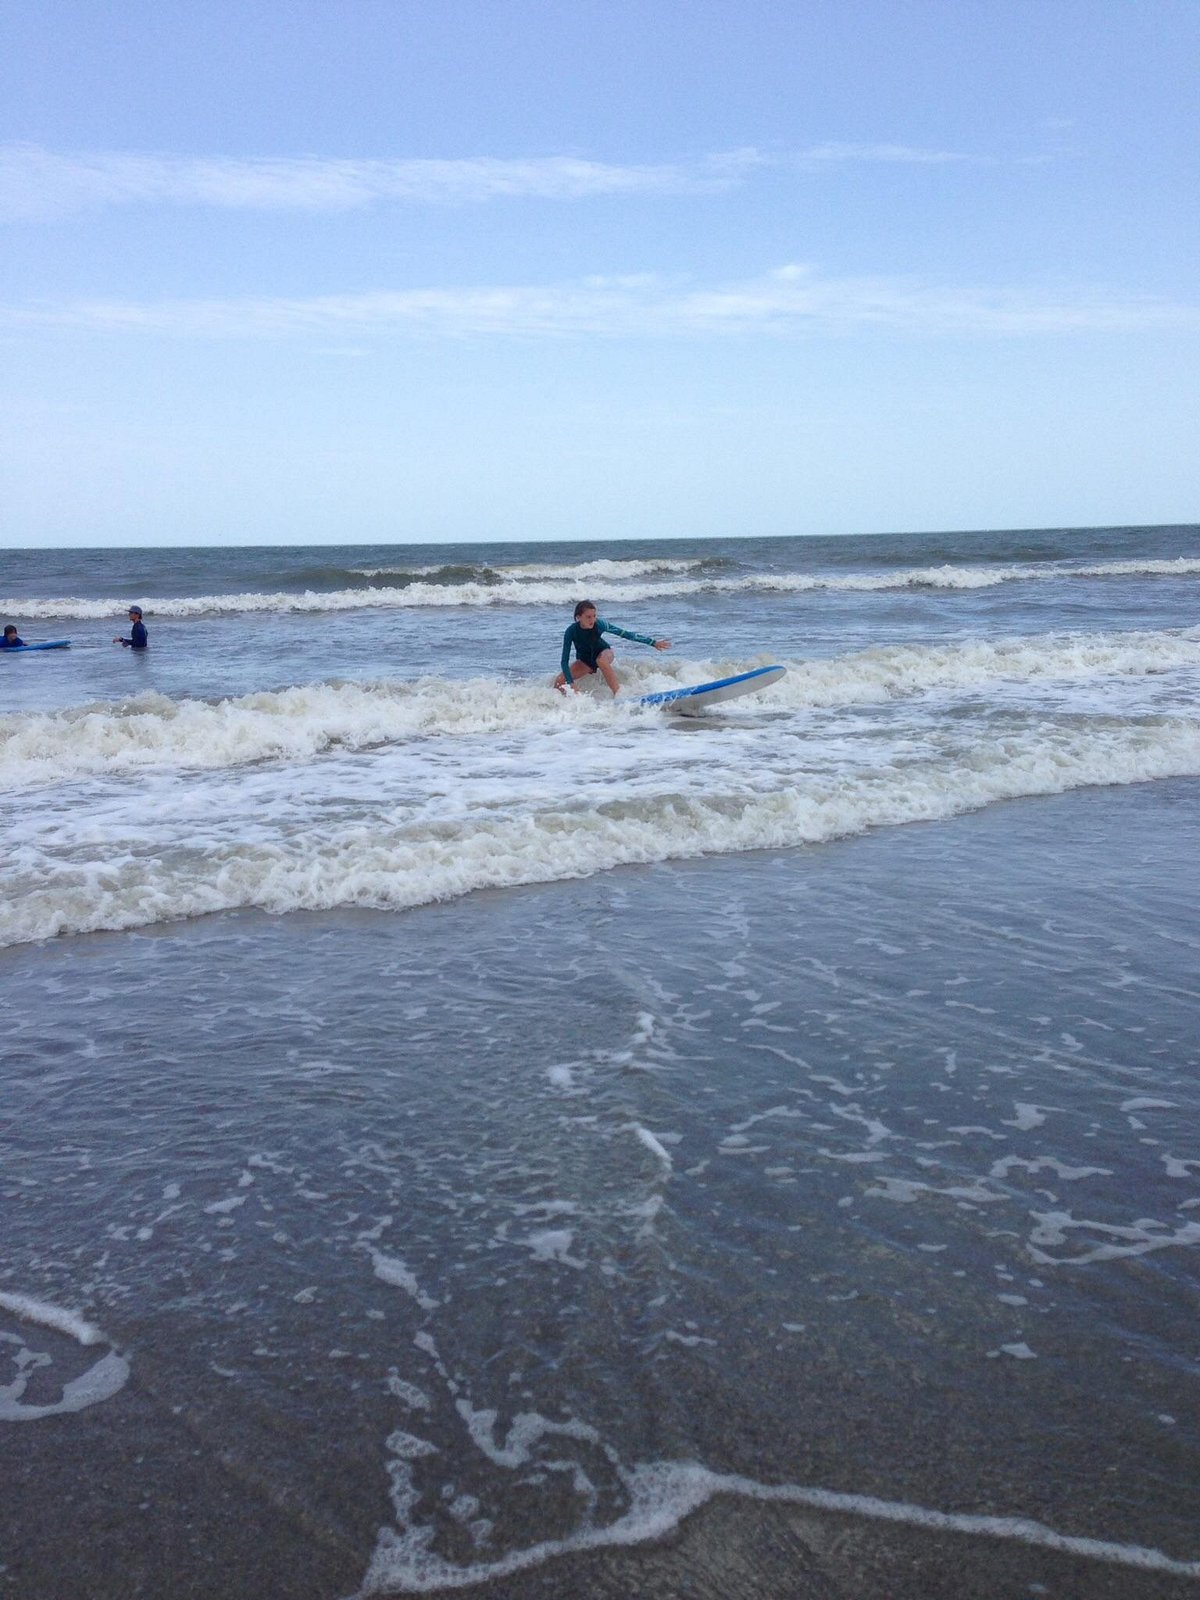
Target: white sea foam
point(368, 598)
point(415, 1399)
point(1139, 1239)
point(408, 1446)
point(625, 581)
point(129, 864)
point(614, 571)
point(525, 1430)
point(1028, 1116)
point(607, 571)
point(391, 1269)
point(100, 1382)
point(652, 1144)
point(1061, 1169)
point(287, 724)
point(662, 1494)
point(552, 1244)
point(1177, 567)
point(307, 720)
point(893, 671)
point(68, 1322)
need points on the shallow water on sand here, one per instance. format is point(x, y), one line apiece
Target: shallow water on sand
point(489, 1242)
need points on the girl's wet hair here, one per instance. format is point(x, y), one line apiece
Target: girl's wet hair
point(584, 605)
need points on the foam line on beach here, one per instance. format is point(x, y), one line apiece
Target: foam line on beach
point(501, 588)
point(101, 1381)
point(662, 1494)
point(63, 1321)
point(301, 722)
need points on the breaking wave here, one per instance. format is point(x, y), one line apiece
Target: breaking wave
point(623, 581)
point(395, 857)
point(299, 723)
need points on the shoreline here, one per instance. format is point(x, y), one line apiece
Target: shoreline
point(484, 1074)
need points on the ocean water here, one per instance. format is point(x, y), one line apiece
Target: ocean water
point(457, 1135)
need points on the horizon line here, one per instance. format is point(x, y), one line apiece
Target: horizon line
point(606, 540)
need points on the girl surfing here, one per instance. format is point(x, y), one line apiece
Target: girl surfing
point(593, 653)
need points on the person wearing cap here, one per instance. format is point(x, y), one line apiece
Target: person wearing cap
point(137, 633)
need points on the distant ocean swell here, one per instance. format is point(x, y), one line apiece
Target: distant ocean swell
point(600, 571)
point(456, 574)
point(382, 860)
point(621, 581)
point(296, 724)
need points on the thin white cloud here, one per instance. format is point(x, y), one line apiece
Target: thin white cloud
point(830, 154)
point(787, 301)
point(40, 183)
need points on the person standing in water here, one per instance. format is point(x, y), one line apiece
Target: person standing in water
point(592, 651)
point(138, 639)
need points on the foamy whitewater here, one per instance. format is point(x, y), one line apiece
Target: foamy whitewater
point(754, 1157)
point(395, 760)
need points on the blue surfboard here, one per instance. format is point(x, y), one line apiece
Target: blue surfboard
point(50, 644)
point(691, 701)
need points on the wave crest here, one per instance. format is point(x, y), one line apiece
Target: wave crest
point(549, 586)
point(396, 864)
point(302, 722)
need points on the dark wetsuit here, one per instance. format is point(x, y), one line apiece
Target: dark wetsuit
point(12, 644)
point(590, 643)
point(137, 639)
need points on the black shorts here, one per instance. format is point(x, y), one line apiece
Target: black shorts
point(591, 659)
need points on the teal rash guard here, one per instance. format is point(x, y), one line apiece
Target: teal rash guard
point(589, 642)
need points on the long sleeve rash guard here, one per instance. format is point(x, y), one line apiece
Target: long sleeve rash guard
point(589, 642)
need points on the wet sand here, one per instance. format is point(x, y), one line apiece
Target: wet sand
point(868, 1168)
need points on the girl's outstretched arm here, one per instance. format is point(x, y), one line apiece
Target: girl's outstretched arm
point(638, 638)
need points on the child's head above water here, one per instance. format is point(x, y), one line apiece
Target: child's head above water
point(10, 632)
point(584, 605)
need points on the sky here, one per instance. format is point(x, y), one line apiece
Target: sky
point(359, 271)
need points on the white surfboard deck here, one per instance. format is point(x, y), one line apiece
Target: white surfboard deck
point(692, 701)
